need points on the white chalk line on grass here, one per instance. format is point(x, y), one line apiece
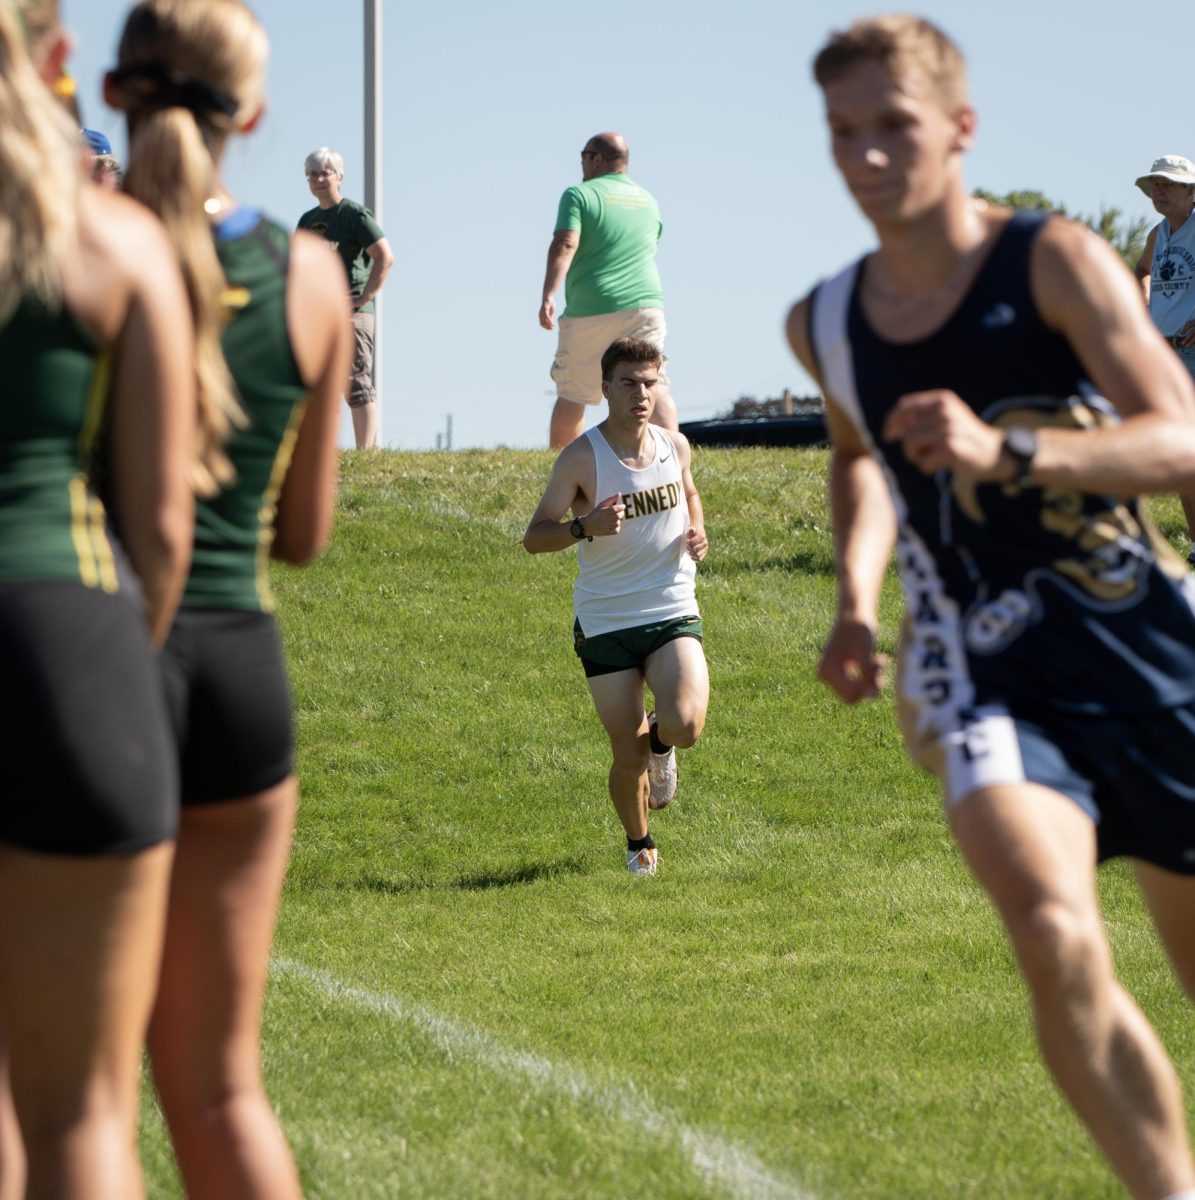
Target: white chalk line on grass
point(734, 1167)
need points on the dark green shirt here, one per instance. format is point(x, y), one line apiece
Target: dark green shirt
point(53, 525)
point(350, 227)
point(234, 530)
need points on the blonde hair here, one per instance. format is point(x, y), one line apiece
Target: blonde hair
point(905, 46)
point(40, 164)
point(188, 71)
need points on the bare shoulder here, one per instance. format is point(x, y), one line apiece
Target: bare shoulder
point(318, 292)
point(315, 263)
point(1072, 269)
point(123, 254)
point(684, 449)
point(317, 305)
point(575, 459)
point(1145, 262)
point(796, 329)
point(317, 275)
point(1067, 249)
point(119, 229)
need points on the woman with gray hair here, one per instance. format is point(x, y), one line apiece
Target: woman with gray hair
point(367, 259)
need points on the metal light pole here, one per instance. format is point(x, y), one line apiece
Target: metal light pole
point(373, 166)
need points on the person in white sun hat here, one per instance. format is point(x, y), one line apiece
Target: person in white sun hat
point(1166, 268)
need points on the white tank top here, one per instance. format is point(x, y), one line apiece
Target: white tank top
point(1172, 277)
point(642, 574)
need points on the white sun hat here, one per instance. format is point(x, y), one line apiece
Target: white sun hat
point(1170, 166)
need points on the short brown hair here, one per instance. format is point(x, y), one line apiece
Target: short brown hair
point(630, 350)
point(904, 45)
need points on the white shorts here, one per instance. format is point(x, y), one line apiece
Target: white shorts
point(577, 367)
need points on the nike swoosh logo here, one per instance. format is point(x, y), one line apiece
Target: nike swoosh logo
point(665, 458)
point(1001, 315)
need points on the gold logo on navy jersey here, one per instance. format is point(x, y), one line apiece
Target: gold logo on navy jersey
point(1111, 547)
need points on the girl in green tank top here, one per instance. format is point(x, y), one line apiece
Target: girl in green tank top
point(95, 345)
point(272, 325)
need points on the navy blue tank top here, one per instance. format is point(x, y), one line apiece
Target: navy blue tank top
point(1015, 596)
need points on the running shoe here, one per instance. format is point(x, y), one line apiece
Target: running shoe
point(642, 862)
point(661, 774)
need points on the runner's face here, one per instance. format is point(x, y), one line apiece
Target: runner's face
point(632, 392)
point(895, 146)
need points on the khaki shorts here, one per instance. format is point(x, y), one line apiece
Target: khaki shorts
point(577, 367)
point(361, 381)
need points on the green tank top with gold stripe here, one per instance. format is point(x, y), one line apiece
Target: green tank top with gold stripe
point(234, 530)
point(53, 525)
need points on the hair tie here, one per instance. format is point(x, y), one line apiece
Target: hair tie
point(159, 84)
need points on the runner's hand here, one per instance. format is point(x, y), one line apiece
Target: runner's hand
point(849, 665)
point(696, 543)
point(606, 518)
point(547, 312)
point(938, 432)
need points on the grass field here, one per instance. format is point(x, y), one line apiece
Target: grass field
point(471, 998)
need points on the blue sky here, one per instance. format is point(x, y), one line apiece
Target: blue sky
point(487, 107)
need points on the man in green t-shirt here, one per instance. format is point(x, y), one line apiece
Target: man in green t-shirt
point(367, 259)
point(604, 252)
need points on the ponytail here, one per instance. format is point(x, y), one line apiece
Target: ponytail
point(40, 176)
point(187, 71)
point(170, 170)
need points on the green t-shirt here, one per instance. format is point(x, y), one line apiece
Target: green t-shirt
point(615, 264)
point(351, 227)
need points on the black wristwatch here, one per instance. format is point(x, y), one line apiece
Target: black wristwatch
point(1021, 444)
point(578, 530)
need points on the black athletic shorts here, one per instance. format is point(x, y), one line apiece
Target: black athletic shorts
point(229, 702)
point(89, 767)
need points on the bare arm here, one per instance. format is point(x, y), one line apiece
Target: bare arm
point(864, 528)
point(1084, 292)
point(1145, 263)
point(561, 252)
point(317, 311)
point(381, 259)
point(153, 416)
point(696, 542)
point(571, 483)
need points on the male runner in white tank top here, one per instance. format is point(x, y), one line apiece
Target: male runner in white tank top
point(640, 530)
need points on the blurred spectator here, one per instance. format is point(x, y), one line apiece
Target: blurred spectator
point(105, 166)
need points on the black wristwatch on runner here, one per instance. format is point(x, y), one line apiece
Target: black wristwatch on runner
point(578, 530)
point(1021, 444)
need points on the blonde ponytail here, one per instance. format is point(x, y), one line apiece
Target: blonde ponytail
point(170, 170)
point(188, 71)
point(40, 176)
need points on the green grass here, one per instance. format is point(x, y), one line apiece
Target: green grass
point(812, 978)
